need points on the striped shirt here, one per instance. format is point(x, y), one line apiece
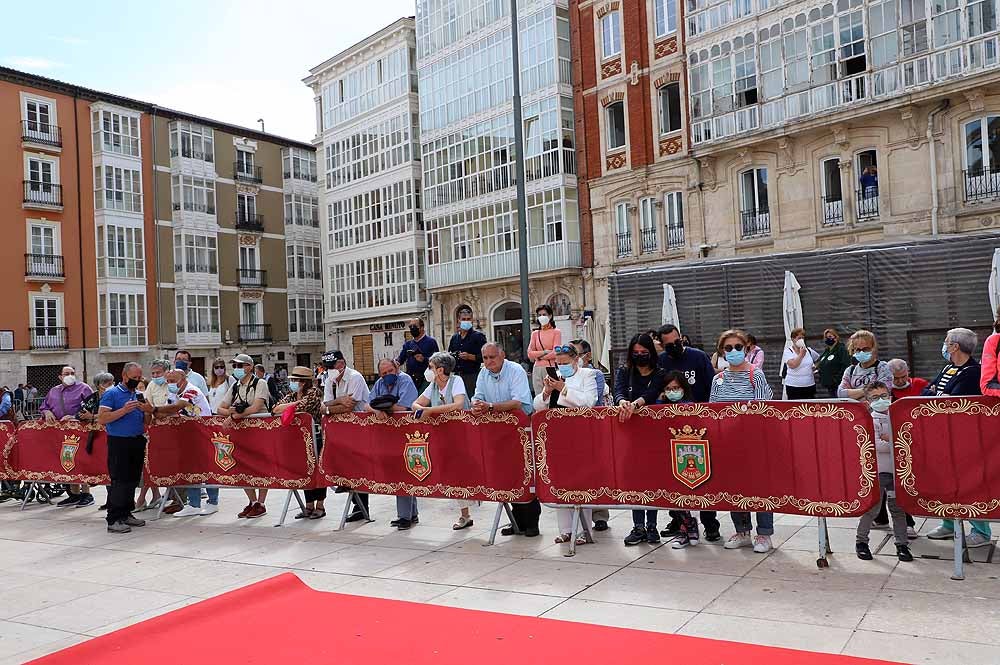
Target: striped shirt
point(740, 387)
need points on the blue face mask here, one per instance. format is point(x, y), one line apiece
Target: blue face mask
point(944, 353)
point(465, 325)
point(735, 357)
point(172, 388)
point(389, 380)
point(863, 356)
point(881, 405)
point(566, 371)
point(294, 386)
point(182, 365)
point(239, 373)
point(159, 380)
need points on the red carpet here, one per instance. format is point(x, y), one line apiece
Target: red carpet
point(281, 620)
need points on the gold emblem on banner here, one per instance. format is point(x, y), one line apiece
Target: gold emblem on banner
point(67, 455)
point(689, 452)
point(417, 454)
point(224, 449)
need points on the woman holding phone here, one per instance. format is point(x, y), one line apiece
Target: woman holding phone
point(541, 348)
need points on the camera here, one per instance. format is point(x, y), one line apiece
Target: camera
point(454, 354)
point(241, 406)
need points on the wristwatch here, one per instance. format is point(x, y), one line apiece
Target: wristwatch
point(491, 407)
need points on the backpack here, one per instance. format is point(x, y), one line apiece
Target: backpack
point(269, 403)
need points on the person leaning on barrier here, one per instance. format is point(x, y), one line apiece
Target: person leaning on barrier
point(989, 379)
point(902, 384)
point(503, 386)
point(182, 361)
point(864, 349)
point(63, 402)
point(960, 376)
point(156, 394)
point(220, 382)
point(124, 419)
point(248, 396)
point(6, 404)
point(572, 387)
point(186, 399)
point(306, 398)
point(345, 391)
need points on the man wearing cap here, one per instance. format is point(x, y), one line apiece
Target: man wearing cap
point(248, 396)
point(417, 351)
point(467, 347)
point(345, 391)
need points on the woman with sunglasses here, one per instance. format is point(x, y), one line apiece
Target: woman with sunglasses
point(220, 382)
point(864, 349)
point(742, 382)
point(637, 383)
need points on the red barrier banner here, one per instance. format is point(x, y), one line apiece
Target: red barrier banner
point(55, 453)
point(456, 456)
point(783, 457)
point(947, 456)
point(253, 452)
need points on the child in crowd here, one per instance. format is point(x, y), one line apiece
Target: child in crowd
point(876, 396)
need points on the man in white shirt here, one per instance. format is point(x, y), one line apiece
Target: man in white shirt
point(345, 391)
point(182, 361)
point(186, 399)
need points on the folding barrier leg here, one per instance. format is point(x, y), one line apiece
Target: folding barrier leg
point(496, 524)
point(574, 531)
point(824, 543)
point(960, 551)
point(353, 500)
point(288, 501)
point(170, 491)
point(28, 493)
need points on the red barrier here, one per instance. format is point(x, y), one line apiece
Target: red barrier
point(456, 456)
point(254, 452)
point(55, 453)
point(784, 457)
point(947, 456)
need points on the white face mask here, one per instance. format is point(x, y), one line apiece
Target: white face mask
point(69, 380)
point(429, 374)
point(800, 343)
point(543, 320)
point(334, 374)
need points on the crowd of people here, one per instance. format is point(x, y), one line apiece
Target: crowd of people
point(660, 367)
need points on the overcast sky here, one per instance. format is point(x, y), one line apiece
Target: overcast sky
point(231, 61)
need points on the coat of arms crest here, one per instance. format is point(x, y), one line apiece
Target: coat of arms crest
point(689, 452)
point(67, 455)
point(224, 449)
point(417, 454)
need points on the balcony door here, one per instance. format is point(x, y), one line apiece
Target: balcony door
point(46, 319)
point(43, 241)
point(38, 116)
point(41, 175)
point(244, 162)
point(982, 158)
point(250, 314)
point(249, 258)
point(867, 168)
point(246, 205)
point(833, 200)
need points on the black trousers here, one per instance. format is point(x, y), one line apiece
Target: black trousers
point(526, 514)
point(708, 519)
point(125, 458)
point(883, 516)
point(469, 380)
point(795, 392)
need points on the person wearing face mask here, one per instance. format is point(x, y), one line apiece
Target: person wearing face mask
point(755, 354)
point(694, 363)
point(832, 363)
point(182, 361)
point(742, 382)
point(637, 383)
point(677, 390)
point(345, 391)
point(903, 385)
point(305, 397)
point(63, 402)
point(416, 352)
point(124, 419)
point(220, 383)
point(585, 359)
point(247, 397)
point(960, 376)
point(467, 347)
point(541, 346)
point(797, 368)
point(156, 394)
point(186, 399)
point(573, 387)
point(864, 349)
point(876, 396)
point(79, 495)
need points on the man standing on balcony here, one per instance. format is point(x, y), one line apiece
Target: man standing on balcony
point(467, 347)
point(869, 183)
point(182, 361)
point(416, 352)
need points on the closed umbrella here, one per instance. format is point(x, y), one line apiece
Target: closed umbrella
point(669, 312)
point(995, 284)
point(792, 305)
point(606, 345)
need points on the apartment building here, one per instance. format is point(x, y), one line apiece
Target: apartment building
point(367, 142)
point(132, 239)
point(465, 78)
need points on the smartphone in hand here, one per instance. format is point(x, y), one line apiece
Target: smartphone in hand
point(552, 372)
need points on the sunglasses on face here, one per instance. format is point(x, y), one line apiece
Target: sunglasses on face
point(732, 347)
point(862, 348)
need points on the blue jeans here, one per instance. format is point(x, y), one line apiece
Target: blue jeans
point(406, 507)
point(194, 496)
point(765, 523)
point(648, 515)
point(977, 525)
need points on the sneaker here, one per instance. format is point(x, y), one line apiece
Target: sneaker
point(85, 500)
point(903, 553)
point(941, 533)
point(246, 511)
point(693, 535)
point(532, 532)
point(652, 536)
point(976, 539)
point(673, 528)
point(403, 525)
point(911, 533)
point(637, 536)
point(356, 516)
point(713, 536)
point(119, 527)
point(864, 552)
point(681, 541)
point(134, 521)
point(600, 525)
point(188, 511)
point(257, 510)
point(738, 540)
point(762, 544)
point(71, 500)
point(209, 509)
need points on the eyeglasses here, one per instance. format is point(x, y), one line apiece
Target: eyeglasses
point(876, 397)
point(564, 349)
point(732, 347)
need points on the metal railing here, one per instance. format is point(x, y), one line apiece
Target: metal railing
point(249, 222)
point(251, 277)
point(675, 237)
point(624, 244)
point(39, 132)
point(41, 192)
point(304, 274)
point(298, 174)
point(833, 210)
point(868, 203)
point(49, 337)
point(255, 332)
point(247, 173)
point(193, 154)
point(755, 224)
point(648, 240)
point(981, 184)
point(43, 265)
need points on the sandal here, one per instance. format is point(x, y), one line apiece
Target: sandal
point(462, 523)
point(305, 514)
point(317, 514)
point(563, 538)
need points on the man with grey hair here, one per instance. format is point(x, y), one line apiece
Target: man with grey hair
point(902, 384)
point(960, 376)
point(156, 390)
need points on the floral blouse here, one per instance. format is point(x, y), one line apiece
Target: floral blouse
point(311, 403)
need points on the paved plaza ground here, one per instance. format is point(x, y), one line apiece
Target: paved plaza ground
point(64, 579)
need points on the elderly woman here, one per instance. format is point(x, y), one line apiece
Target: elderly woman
point(305, 397)
point(742, 382)
point(960, 376)
point(573, 386)
point(79, 495)
point(798, 363)
point(864, 349)
point(445, 393)
point(832, 362)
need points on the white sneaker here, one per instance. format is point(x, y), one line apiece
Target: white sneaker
point(976, 539)
point(209, 509)
point(188, 511)
point(738, 540)
point(911, 533)
point(941, 533)
point(762, 544)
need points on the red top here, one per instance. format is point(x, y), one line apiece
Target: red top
point(988, 372)
point(916, 387)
